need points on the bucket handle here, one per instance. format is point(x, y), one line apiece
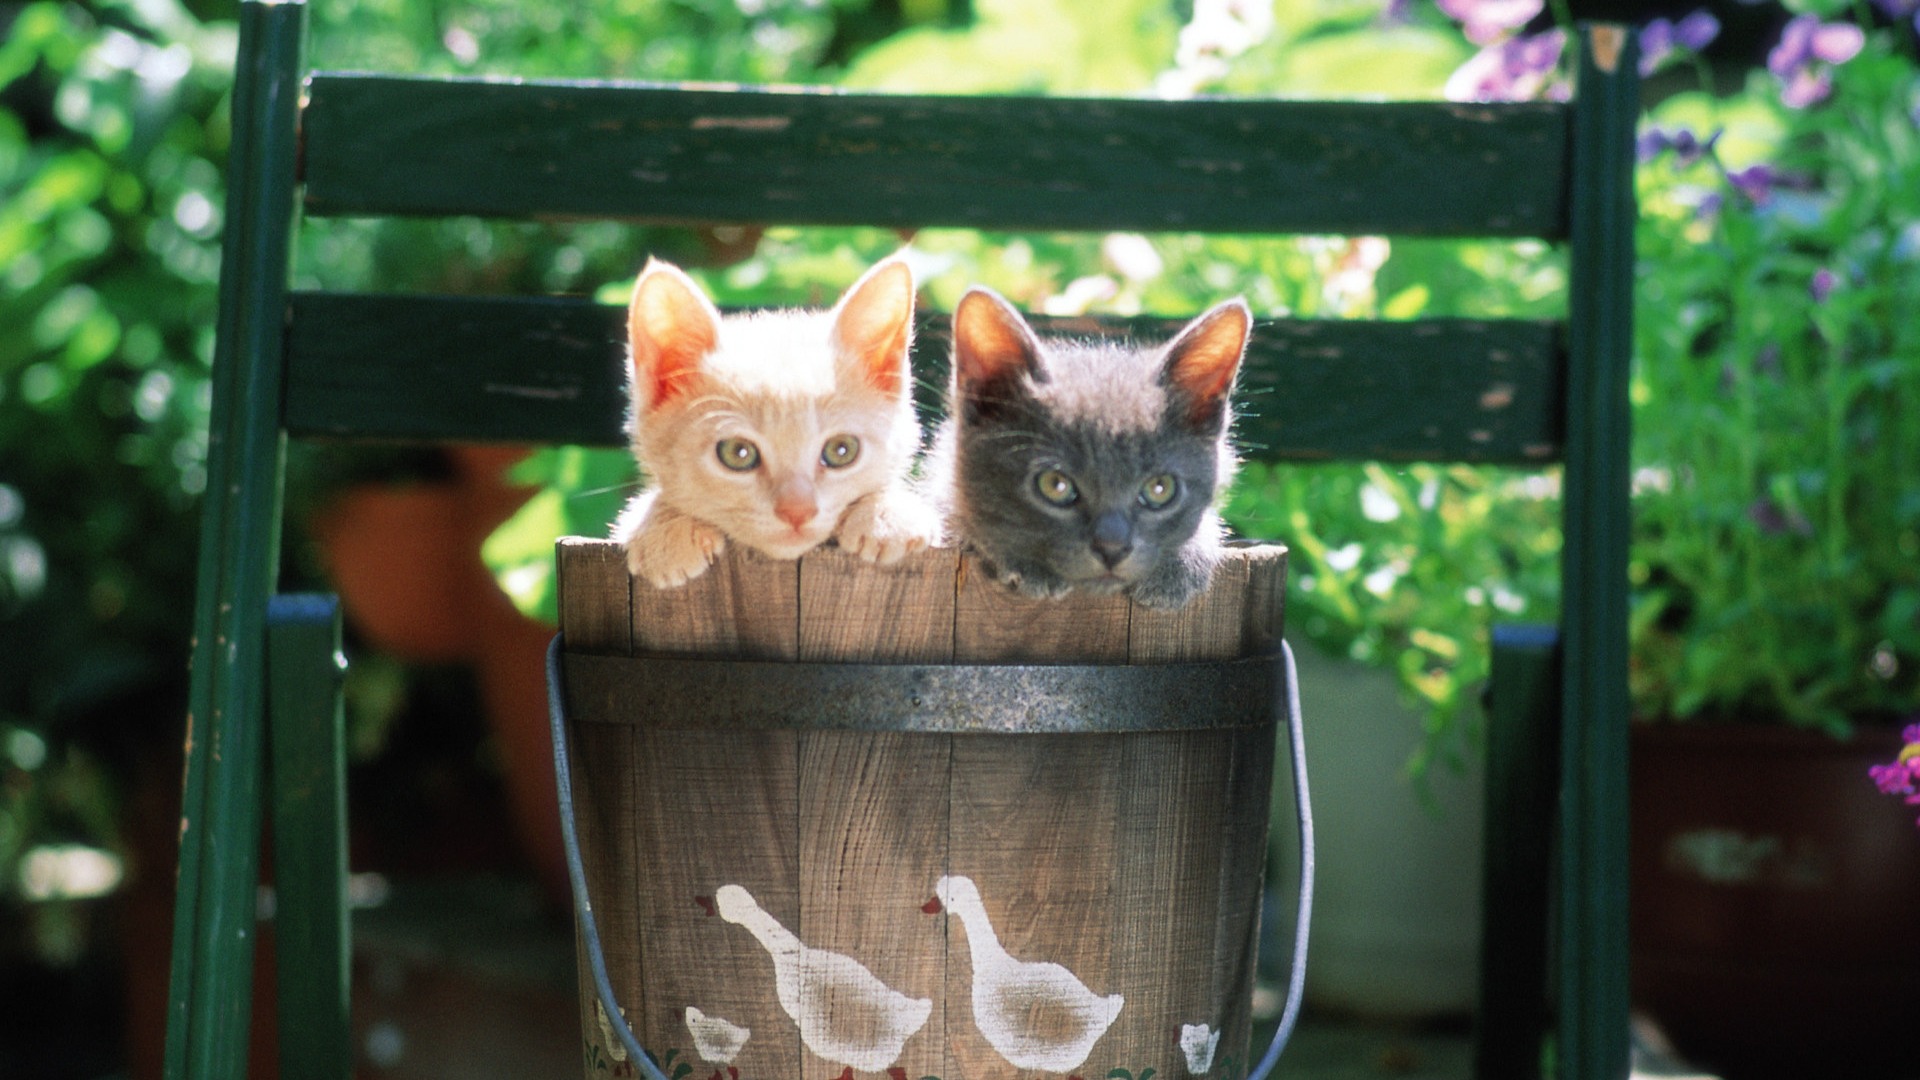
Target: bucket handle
point(596, 957)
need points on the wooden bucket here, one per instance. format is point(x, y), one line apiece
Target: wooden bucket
point(915, 826)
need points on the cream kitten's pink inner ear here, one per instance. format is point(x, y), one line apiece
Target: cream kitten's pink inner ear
point(990, 340)
point(671, 327)
point(1203, 359)
point(873, 324)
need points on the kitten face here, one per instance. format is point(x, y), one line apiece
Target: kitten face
point(768, 426)
point(1086, 465)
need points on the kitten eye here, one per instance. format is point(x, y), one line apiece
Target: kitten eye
point(840, 451)
point(1055, 487)
point(737, 454)
point(1158, 491)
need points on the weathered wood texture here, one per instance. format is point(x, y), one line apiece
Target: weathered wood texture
point(1134, 859)
point(550, 370)
point(408, 146)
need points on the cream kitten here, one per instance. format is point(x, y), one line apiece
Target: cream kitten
point(774, 429)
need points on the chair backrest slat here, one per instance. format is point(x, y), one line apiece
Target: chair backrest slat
point(549, 370)
point(426, 147)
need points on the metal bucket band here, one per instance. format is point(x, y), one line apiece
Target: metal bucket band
point(679, 692)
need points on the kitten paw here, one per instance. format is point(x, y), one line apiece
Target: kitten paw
point(887, 529)
point(1172, 588)
point(1033, 588)
point(673, 552)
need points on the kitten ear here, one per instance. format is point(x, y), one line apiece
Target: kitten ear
point(991, 341)
point(873, 324)
point(1203, 359)
point(671, 327)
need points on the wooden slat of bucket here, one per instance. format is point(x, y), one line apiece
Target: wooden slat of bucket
point(745, 605)
point(991, 623)
point(1170, 816)
point(873, 816)
point(1265, 605)
point(596, 609)
point(1170, 838)
point(1210, 627)
point(595, 596)
point(612, 869)
point(736, 794)
point(1032, 821)
point(851, 613)
point(1237, 930)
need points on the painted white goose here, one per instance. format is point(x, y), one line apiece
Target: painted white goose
point(717, 1041)
point(844, 1013)
point(1009, 994)
point(1199, 1042)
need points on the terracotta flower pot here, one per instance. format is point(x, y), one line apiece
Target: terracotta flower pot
point(1776, 901)
point(406, 561)
point(396, 554)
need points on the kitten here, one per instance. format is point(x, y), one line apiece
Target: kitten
point(774, 429)
point(1090, 465)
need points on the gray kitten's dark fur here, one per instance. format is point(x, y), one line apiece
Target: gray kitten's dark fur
point(1090, 465)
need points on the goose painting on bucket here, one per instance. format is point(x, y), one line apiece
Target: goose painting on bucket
point(1198, 1043)
point(1010, 995)
point(846, 1015)
point(717, 1041)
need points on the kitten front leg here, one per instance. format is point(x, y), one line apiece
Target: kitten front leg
point(1172, 583)
point(887, 526)
point(665, 548)
point(1035, 583)
point(1185, 574)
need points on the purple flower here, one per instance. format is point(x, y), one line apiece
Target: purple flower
point(1756, 182)
point(1902, 776)
point(1487, 21)
point(1823, 285)
point(1894, 779)
point(1774, 519)
point(1806, 54)
point(1518, 69)
point(1897, 9)
point(1662, 37)
point(1687, 147)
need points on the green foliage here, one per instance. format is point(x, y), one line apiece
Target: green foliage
point(1016, 46)
point(111, 125)
point(1777, 539)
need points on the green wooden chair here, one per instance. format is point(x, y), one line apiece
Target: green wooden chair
point(309, 365)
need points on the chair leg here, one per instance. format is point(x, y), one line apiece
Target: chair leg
point(1523, 757)
point(210, 985)
point(308, 772)
point(1592, 962)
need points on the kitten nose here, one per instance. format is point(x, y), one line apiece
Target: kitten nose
point(793, 503)
point(1112, 538)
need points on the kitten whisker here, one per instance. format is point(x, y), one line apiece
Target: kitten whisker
point(635, 484)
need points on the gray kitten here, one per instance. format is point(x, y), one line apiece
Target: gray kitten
point(1085, 464)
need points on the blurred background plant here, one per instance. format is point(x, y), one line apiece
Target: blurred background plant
point(1776, 496)
point(110, 143)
